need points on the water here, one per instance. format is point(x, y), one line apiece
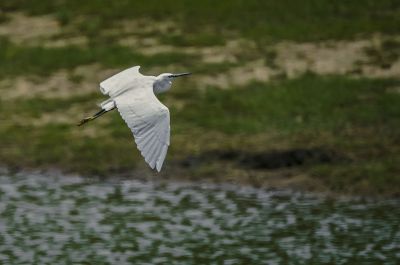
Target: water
point(73, 220)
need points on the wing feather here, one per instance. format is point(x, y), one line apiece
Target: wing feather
point(161, 158)
point(151, 150)
point(155, 154)
point(144, 140)
point(120, 82)
point(145, 145)
point(148, 120)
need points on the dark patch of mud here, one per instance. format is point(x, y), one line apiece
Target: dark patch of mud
point(272, 159)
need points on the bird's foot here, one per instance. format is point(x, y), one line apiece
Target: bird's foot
point(85, 120)
point(95, 116)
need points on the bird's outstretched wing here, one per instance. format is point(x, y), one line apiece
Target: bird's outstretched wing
point(120, 82)
point(148, 120)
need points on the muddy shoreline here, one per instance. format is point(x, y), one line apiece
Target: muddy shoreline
point(272, 170)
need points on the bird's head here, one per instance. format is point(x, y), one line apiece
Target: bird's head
point(164, 81)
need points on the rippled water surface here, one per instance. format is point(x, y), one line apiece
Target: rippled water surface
point(64, 220)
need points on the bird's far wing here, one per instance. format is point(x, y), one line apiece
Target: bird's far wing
point(120, 81)
point(148, 120)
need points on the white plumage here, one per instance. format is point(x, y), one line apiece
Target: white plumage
point(133, 95)
point(148, 120)
point(122, 81)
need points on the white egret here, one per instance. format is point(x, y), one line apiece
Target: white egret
point(133, 94)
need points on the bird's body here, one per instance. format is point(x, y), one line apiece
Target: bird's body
point(133, 94)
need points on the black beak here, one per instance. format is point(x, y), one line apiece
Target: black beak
point(182, 74)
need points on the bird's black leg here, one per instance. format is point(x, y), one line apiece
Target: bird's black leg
point(98, 114)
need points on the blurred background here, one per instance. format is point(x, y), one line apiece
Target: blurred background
point(298, 95)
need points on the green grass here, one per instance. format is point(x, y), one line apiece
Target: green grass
point(264, 20)
point(385, 54)
point(308, 103)
point(22, 60)
point(55, 146)
point(3, 17)
point(200, 40)
point(17, 60)
point(358, 119)
point(370, 177)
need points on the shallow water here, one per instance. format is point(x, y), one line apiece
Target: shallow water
point(64, 220)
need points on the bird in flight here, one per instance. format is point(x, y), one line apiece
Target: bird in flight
point(133, 94)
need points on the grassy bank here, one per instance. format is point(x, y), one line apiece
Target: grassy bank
point(356, 120)
point(300, 94)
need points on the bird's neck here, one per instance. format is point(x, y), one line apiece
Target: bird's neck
point(161, 85)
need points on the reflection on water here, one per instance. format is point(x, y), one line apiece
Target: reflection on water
point(64, 220)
